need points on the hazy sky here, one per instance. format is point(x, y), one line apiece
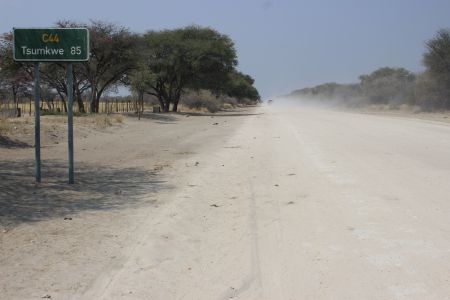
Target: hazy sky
point(284, 45)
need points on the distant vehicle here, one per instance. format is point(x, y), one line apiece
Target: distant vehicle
point(269, 102)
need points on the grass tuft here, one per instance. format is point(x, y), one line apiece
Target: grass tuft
point(5, 126)
point(118, 119)
point(102, 121)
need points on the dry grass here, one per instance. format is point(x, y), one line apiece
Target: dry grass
point(406, 111)
point(54, 119)
point(185, 109)
point(5, 126)
point(227, 106)
point(102, 121)
point(25, 124)
point(27, 120)
point(118, 119)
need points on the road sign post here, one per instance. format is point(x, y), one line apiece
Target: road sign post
point(52, 45)
point(70, 120)
point(37, 123)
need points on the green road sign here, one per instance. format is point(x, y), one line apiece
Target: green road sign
point(51, 44)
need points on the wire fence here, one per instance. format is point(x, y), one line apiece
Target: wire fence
point(23, 107)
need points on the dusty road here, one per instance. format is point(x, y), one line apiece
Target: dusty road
point(280, 203)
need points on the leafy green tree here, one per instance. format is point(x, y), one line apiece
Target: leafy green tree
point(188, 58)
point(437, 61)
point(241, 87)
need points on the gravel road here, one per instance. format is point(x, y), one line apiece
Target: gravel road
point(267, 203)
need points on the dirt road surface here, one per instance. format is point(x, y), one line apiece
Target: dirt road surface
point(267, 203)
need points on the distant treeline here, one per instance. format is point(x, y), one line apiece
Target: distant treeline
point(166, 65)
point(429, 90)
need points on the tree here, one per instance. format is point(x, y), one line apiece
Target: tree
point(112, 56)
point(241, 86)
point(188, 58)
point(14, 77)
point(332, 93)
point(428, 92)
point(141, 80)
point(55, 76)
point(387, 85)
point(437, 61)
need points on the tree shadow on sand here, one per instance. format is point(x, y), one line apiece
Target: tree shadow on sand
point(6, 142)
point(237, 112)
point(96, 188)
point(160, 118)
point(172, 117)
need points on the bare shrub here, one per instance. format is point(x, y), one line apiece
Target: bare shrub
point(230, 101)
point(213, 105)
point(201, 99)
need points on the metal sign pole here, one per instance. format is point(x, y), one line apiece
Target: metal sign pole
point(70, 119)
point(37, 123)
